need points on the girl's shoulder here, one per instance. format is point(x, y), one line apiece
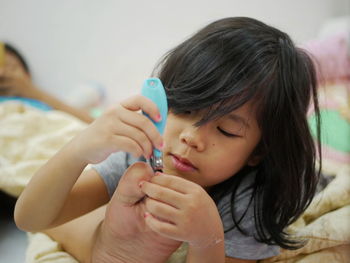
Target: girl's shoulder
point(242, 197)
point(243, 244)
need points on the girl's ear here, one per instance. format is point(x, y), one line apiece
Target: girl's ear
point(256, 156)
point(254, 160)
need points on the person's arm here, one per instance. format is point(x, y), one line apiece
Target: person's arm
point(48, 199)
point(57, 104)
point(14, 84)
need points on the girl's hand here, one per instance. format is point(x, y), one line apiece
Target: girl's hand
point(121, 128)
point(182, 210)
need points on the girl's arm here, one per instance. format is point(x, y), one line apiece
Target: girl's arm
point(57, 194)
point(48, 199)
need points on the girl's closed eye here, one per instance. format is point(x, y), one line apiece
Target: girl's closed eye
point(228, 134)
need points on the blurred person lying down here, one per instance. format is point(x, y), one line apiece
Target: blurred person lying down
point(16, 81)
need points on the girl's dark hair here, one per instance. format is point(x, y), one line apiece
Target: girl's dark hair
point(236, 60)
point(14, 51)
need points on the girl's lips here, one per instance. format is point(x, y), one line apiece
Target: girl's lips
point(182, 164)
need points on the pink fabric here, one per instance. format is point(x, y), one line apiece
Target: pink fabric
point(332, 57)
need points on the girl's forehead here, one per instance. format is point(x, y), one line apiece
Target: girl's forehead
point(245, 111)
point(244, 114)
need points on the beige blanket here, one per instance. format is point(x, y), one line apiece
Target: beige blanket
point(29, 137)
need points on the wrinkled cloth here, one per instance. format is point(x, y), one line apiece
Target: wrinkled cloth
point(28, 138)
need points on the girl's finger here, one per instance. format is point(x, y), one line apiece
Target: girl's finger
point(163, 228)
point(136, 135)
point(161, 210)
point(139, 102)
point(175, 183)
point(143, 124)
point(127, 145)
point(162, 194)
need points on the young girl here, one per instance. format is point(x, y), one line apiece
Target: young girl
point(239, 159)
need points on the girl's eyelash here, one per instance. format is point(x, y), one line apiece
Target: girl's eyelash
point(226, 133)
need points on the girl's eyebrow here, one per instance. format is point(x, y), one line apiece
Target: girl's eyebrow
point(239, 119)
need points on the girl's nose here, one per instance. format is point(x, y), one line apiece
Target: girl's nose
point(194, 137)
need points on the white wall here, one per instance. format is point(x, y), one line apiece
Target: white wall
point(117, 43)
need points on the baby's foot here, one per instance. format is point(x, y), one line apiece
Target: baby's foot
point(124, 236)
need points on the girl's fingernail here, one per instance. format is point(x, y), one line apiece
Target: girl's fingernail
point(161, 146)
point(146, 214)
point(141, 183)
point(159, 117)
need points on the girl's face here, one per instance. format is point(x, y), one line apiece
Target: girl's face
point(213, 152)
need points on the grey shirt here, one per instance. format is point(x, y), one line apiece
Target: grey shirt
point(237, 245)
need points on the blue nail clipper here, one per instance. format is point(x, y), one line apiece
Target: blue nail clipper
point(153, 89)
